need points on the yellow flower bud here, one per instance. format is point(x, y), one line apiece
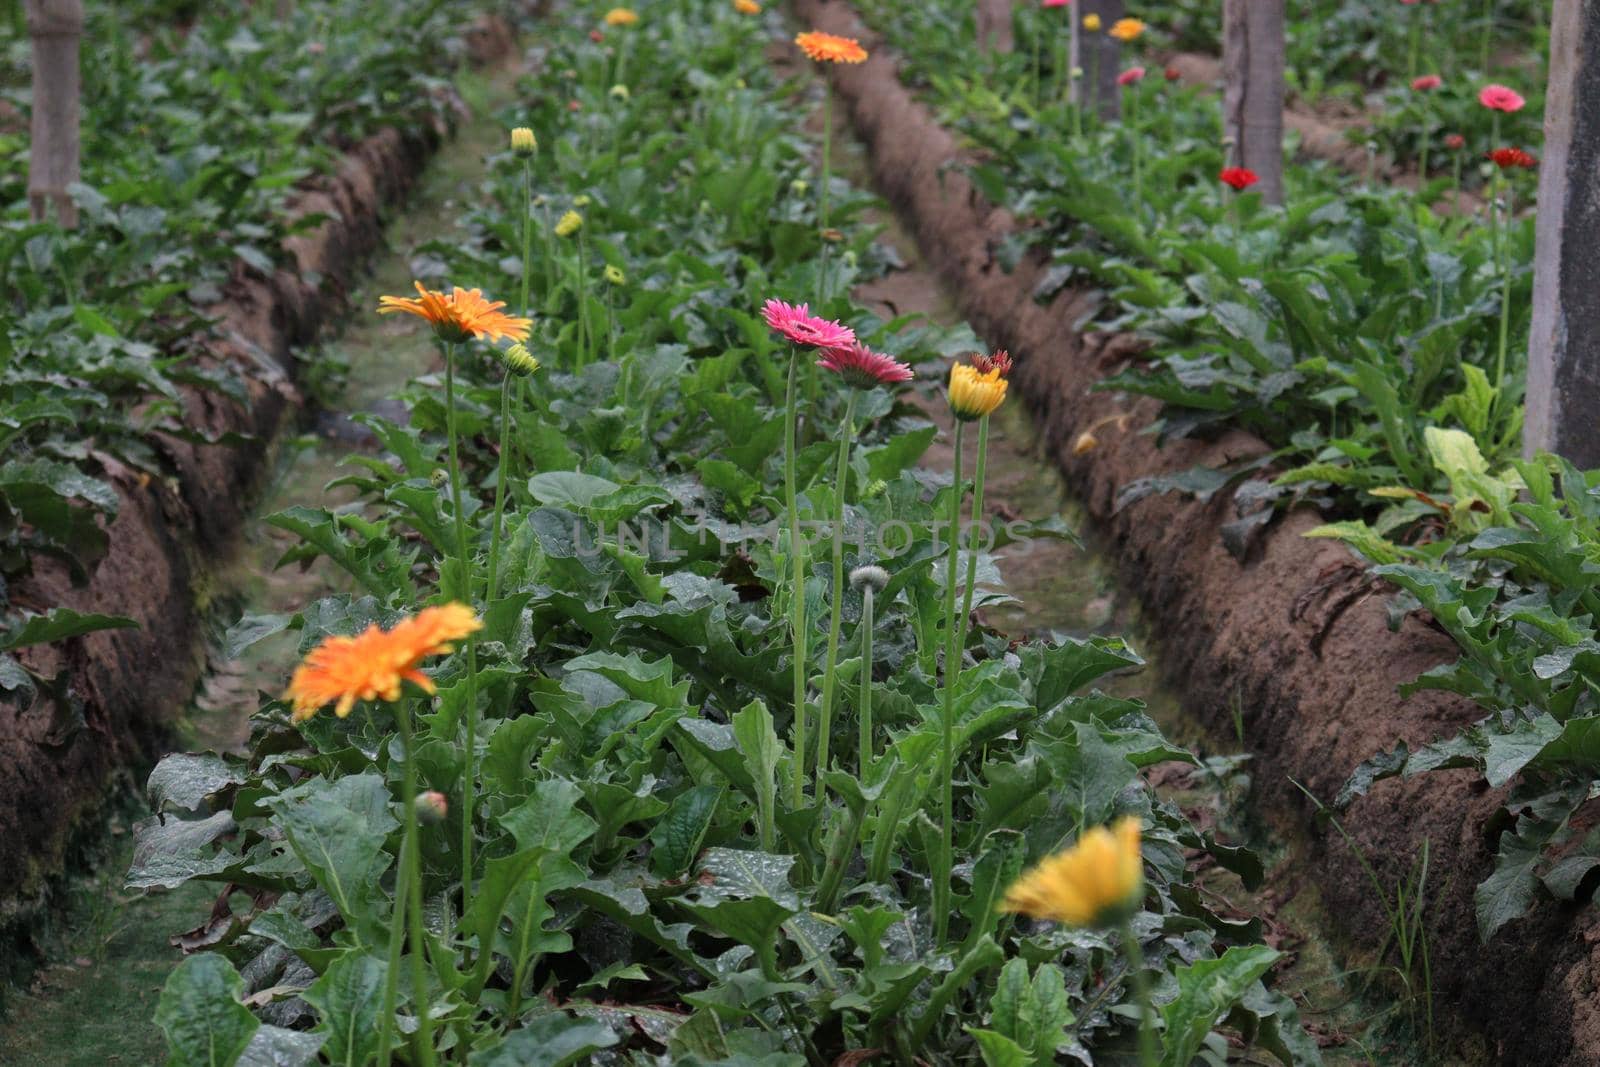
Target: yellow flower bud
point(1091, 23)
point(614, 275)
point(747, 7)
point(1086, 442)
point(1126, 29)
point(523, 142)
point(619, 92)
point(582, 200)
point(621, 16)
point(569, 224)
point(517, 358)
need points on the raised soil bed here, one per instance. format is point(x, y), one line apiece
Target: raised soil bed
point(1295, 636)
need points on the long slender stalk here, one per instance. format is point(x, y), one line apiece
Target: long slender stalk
point(1505, 303)
point(825, 197)
point(825, 728)
point(1148, 1056)
point(977, 520)
point(583, 302)
point(500, 486)
point(469, 777)
point(947, 725)
point(864, 711)
point(412, 873)
point(1488, 32)
point(797, 584)
point(391, 974)
point(1138, 149)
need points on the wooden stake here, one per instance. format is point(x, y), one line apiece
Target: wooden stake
point(1252, 98)
point(1100, 56)
point(1563, 392)
point(994, 25)
point(56, 27)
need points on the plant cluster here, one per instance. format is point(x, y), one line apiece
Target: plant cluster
point(716, 770)
point(194, 139)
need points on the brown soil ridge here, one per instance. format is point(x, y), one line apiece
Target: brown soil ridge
point(58, 765)
point(1296, 637)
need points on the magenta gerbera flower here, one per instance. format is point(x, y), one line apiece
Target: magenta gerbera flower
point(803, 328)
point(863, 368)
point(1500, 98)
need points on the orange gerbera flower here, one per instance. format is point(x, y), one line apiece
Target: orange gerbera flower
point(828, 48)
point(461, 314)
point(373, 664)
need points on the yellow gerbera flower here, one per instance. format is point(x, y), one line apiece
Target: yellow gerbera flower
point(747, 7)
point(569, 224)
point(829, 48)
point(1091, 23)
point(1096, 882)
point(974, 393)
point(373, 664)
point(462, 314)
point(621, 16)
point(1126, 29)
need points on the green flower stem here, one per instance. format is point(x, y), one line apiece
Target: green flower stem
point(947, 725)
point(469, 777)
point(1488, 32)
point(982, 956)
point(1036, 90)
point(1138, 147)
point(797, 584)
point(412, 874)
point(1455, 181)
point(550, 288)
point(583, 302)
point(500, 486)
point(837, 859)
point(864, 754)
point(1148, 1056)
point(825, 194)
point(1427, 141)
point(825, 728)
point(1505, 300)
point(977, 518)
point(391, 974)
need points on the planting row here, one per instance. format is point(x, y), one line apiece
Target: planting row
point(718, 768)
point(196, 138)
point(1377, 345)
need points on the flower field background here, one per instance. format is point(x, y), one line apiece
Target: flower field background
point(658, 686)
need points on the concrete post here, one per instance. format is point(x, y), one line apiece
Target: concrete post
point(1563, 397)
point(1252, 97)
point(56, 26)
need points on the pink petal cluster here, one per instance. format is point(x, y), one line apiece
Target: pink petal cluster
point(863, 368)
point(1054, 3)
point(1426, 82)
point(1500, 98)
point(1131, 75)
point(796, 323)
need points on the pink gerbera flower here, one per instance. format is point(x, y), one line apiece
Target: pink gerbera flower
point(1426, 82)
point(1131, 75)
point(803, 328)
point(863, 368)
point(1055, 3)
point(1500, 98)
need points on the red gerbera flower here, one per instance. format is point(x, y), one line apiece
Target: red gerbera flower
point(1426, 82)
point(863, 368)
point(1507, 158)
point(1240, 178)
point(1500, 98)
point(803, 328)
point(1455, 142)
point(1173, 74)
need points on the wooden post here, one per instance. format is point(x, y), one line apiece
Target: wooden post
point(56, 26)
point(1099, 55)
point(994, 25)
point(1563, 395)
point(1252, 98)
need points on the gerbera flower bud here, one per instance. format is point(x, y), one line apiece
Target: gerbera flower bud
point(974, 394)
point(1086, 442)
point(432, 807)
point(621, 16)
point(1455, 142)
point(1172, 74)
point(830, 48)
point(614, 275)
point(1500, 98)
point(517, 358)
point(1239, 178)
point(747, 7)
point(1126, 30)
point(439, 478)
point(569, 224)
point(596, 36)
point(875, 488)
point(1091, 22)
point(869, 576)
point(619, 92)
point(523, 142)
point(999, 362)
point(582, 200)
point(799, 186)
point(1099, 881)
point(1426, 83)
